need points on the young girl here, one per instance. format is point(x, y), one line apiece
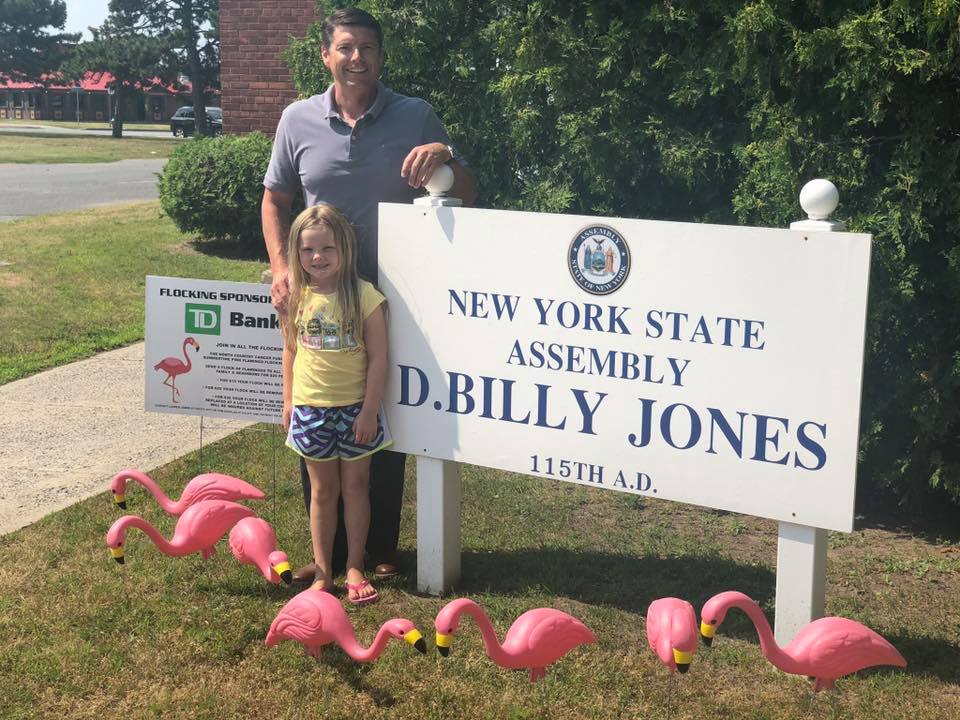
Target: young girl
point(334, 371)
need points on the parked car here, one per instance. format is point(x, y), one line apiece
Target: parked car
point(182, 122)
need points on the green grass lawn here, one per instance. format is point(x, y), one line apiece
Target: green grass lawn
point(89, 125)
point(179, 638)
point(29, 147)
point(81, 637)
point(72, 284)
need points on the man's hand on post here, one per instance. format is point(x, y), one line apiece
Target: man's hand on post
point(421, 162)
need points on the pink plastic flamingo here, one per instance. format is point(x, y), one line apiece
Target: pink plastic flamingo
point(535, 640)
point(253, 542)
point(824, 650)
point(672, 632)
point(197, 530)
point(316, 618)
point(175, 366)
point(209, 486)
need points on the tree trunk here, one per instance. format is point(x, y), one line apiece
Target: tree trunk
point(116, 122)
point(196, 69)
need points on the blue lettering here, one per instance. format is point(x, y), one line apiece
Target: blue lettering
point(460, 302)
point(457, 392)
point(573, 321)
point(677, 371)
point(702, 331)
point(553, 350)
point(727, 329)
point(666, 431)
point(592, 317)
point(536, 353)
point(752, 334)
point(646, 410)
point(487, 411)
point(586, 411)
point(575, 359)
point(541, 421)
point(508, 304)
point(616, 320)
point(542, 310)
point(405, 386)
point(508, 404)
point(763, 438)
point(654, 323)
point(476, 307)
point(516, 353)
point(736, 440)
point(811, 445)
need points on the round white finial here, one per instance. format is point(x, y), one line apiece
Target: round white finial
point(440, 181)
point(819, 198)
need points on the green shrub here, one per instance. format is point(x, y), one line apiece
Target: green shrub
point(720, 112)
point(213, 187)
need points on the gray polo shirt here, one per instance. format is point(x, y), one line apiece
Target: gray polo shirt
point(352, 168)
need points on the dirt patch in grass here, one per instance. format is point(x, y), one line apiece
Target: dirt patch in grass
point(12, 280)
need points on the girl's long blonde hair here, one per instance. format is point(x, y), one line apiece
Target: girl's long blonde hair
point(348, 279)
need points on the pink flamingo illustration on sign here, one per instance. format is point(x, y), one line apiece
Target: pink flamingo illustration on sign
point(536, 639)
point(209, 486)
point(175, 366)
point(672, 632)
point(253, 542)
point(197, 530)
point(824, 650)
point(315, 618)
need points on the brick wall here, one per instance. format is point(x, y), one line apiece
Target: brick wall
point(255, 82)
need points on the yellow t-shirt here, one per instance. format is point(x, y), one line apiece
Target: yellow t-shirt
point(330, 367)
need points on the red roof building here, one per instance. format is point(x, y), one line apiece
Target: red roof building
point(92, 99)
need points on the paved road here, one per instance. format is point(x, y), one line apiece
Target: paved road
point(37, 189)
point(54, 130)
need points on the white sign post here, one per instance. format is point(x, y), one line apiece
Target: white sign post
point(802, 550)
point(713, 365)
point(212, 349)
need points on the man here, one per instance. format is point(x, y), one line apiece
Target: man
point(354, 146)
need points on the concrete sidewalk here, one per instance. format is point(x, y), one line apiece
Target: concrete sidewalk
point(65, 432)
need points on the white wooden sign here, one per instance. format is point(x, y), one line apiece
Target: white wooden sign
point(713, 365)
point(213, 349)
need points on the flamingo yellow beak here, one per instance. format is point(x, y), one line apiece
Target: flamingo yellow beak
point(707, 631)
point(117, 554)
point(682, 659)
point(121, 500)
point(283, 570)
point(443, 644)
point(416, 639)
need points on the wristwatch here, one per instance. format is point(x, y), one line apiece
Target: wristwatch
point(450, 150)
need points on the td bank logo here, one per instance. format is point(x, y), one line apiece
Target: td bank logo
point(202, 319)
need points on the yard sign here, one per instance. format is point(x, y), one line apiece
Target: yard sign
point(713, 365)
point(212, 349)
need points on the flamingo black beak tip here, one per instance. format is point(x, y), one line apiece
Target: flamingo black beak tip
point(287, 577)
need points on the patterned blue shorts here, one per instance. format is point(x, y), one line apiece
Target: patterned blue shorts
point(326, 433)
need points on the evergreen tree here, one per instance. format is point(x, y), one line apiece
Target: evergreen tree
point(131, 59)
point(27, 49)
point(188, 28)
